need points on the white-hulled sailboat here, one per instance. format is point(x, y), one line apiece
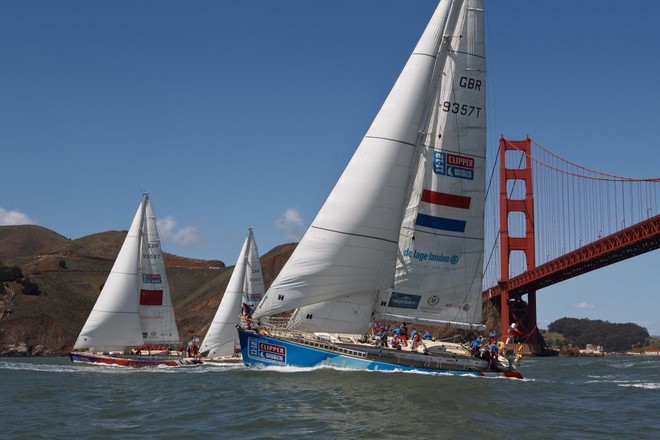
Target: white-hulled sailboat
point(132, 323)
point(244, 291)
point(401, 235)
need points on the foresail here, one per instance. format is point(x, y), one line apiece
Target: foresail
point(254, 287)
point(440, 260)
point(245, 285)
point(114, 322)
point(350, 248)
point(350, 314)
point(156, 310)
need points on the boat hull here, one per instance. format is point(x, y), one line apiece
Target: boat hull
point(134, 361)
point(263, 350)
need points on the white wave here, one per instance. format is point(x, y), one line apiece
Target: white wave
point(622, 365)
point(27, 366)
point(644, 385)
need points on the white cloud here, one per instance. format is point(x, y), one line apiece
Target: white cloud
point(186, 236)
point(291, 224)
point(584, 306)
point(14, 218)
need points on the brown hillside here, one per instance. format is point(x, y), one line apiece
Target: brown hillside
point(18, 242)
point(50, 322)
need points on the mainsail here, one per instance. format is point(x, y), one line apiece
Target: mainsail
point(245, 285)
point(414, 187)
point(156, 310)
point(441, 246)
point(134, 306)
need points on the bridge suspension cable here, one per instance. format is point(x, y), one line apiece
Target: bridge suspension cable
point(573, 206)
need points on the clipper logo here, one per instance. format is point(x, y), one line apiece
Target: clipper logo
point(265, 352)
point(433, 301)
point(453, 165)
point(151, 278)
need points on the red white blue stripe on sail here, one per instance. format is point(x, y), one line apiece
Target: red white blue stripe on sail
point(447, 200)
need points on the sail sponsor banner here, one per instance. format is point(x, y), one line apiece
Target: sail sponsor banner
point(404, 300)
point(422, 256)
point(151, 297)
point(151, 278)
point(265, 351)
point(254, 297)
point(453, 165)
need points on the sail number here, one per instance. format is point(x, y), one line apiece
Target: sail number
point(462, 109)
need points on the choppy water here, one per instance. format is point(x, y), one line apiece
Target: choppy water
point(561, 398)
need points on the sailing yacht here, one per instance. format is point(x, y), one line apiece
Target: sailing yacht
point(132, 323)
point(401, 236)
point(244, 291)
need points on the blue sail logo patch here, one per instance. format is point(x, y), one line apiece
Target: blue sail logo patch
point(453, 165)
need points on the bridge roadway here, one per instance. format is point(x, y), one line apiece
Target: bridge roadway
point(634, 240)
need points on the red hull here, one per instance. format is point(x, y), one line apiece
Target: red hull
point(134, 362)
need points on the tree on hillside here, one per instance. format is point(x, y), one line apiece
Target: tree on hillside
point(612, 337)
point(30, 288)
point(10, 273)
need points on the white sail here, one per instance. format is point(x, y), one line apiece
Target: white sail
point(245, 285)
point(114, 322)
point(350, 248)
point(134, 306)
point(440, 260)
point(401, 233)
point(156, 310)
point(254, 287)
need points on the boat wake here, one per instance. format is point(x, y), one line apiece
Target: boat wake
point(27, 366)
point(292, 369)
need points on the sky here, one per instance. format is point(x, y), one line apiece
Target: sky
point(237, 114)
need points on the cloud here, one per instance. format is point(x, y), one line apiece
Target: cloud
point(186, 236)
point(14, 218)
point(584, 306)
point(291, 224)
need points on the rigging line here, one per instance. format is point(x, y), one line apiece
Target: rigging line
point(492, 172)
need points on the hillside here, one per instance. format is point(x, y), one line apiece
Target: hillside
point(70, 274)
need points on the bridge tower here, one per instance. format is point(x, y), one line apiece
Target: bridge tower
point(512, 306)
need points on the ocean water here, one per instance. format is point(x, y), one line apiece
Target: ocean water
point(561, 398)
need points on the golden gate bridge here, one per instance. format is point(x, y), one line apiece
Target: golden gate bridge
point(589, 219)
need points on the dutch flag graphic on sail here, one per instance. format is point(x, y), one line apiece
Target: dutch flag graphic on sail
point(444, 223)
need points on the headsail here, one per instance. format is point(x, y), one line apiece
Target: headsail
point(349, 251)
point(114, 322)
point(440, 260)
point(245, 285)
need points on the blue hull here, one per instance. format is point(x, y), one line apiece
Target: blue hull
point(262, 350)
